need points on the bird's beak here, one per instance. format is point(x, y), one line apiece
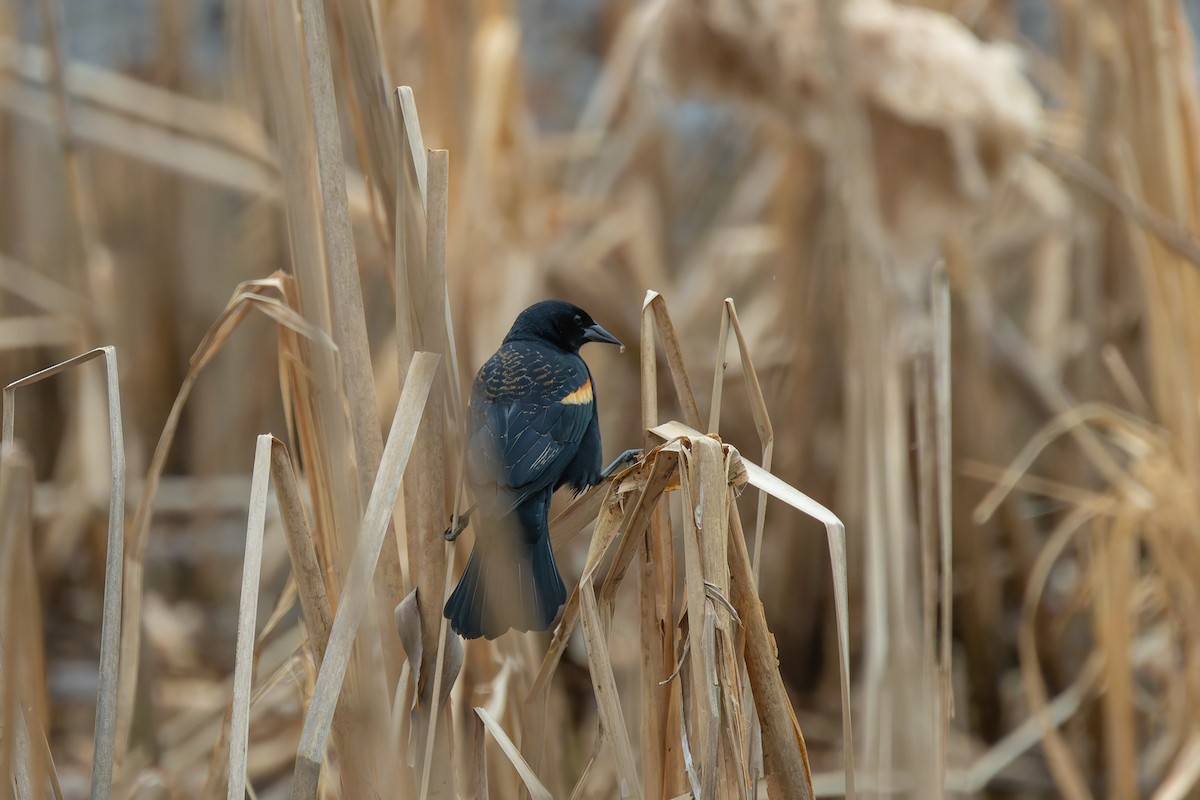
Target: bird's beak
point(594, 333)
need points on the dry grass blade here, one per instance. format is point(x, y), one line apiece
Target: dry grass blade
point(41, 330)
point(581, 785)
point(110, 634)
point(535, 787)
point(1181, 782)
point(243, 671)
point(604, 687)
point(785, 758)
point(410, 225)
point(1077, 417)
point(409, 234)
point(309, 580)
point(1067, 775)
point(1034, 485)
point(1028, 733)
point(42, 752)
point(24, 772)
point(758, 408)
point(476, 784)
point(311, 584)
point(354, 598)
point(927, 523)
point(246, 297)
point(1115, 557)
point(80, 190)
point(663, 471)
point(1058, 184)
point(91, 88)
point(1178, 238)
point(656, 304)
point(572, 520)
point(150, 143)
point(45, 293)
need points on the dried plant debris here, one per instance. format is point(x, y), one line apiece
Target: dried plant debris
point(950, 115)
point(1005, 597)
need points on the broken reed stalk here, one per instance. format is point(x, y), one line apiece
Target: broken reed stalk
point(349, 322)
point(940, 316)
point(310, 583)
point(835, 529)
point(1158, 101)
point(604, 688)
point(704, 487)
point(110, 633)
point(440, 694)
point(243, 670)
point(537, 790)
point(931, 403)
point(423, 322)
point(927, 524)
point(355, 596)
point(657, 590)
point(375, 131)
point(409, 234)
point(766, 435)
point(783, 747)
point(16, 501)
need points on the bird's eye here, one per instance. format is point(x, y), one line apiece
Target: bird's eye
point(578, 319)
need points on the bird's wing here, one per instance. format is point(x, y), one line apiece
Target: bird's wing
point(528, 415)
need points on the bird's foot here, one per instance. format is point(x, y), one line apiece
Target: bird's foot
point(620, 462)
point(457, 528)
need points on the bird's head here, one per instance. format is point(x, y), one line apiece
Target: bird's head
point(559, 323)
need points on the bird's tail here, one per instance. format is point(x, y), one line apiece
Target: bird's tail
point(507, 587)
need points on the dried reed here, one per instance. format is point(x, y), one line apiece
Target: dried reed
point(944, 260)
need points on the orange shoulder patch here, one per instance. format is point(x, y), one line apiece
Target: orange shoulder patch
point(579, 397)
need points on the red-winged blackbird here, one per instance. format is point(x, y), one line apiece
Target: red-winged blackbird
point(533, 428)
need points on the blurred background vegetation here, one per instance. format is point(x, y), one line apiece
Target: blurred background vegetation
point(1044, 156)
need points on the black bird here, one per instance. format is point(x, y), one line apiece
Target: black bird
point(533, 428)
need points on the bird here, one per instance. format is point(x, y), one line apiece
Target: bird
point(533, 428)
